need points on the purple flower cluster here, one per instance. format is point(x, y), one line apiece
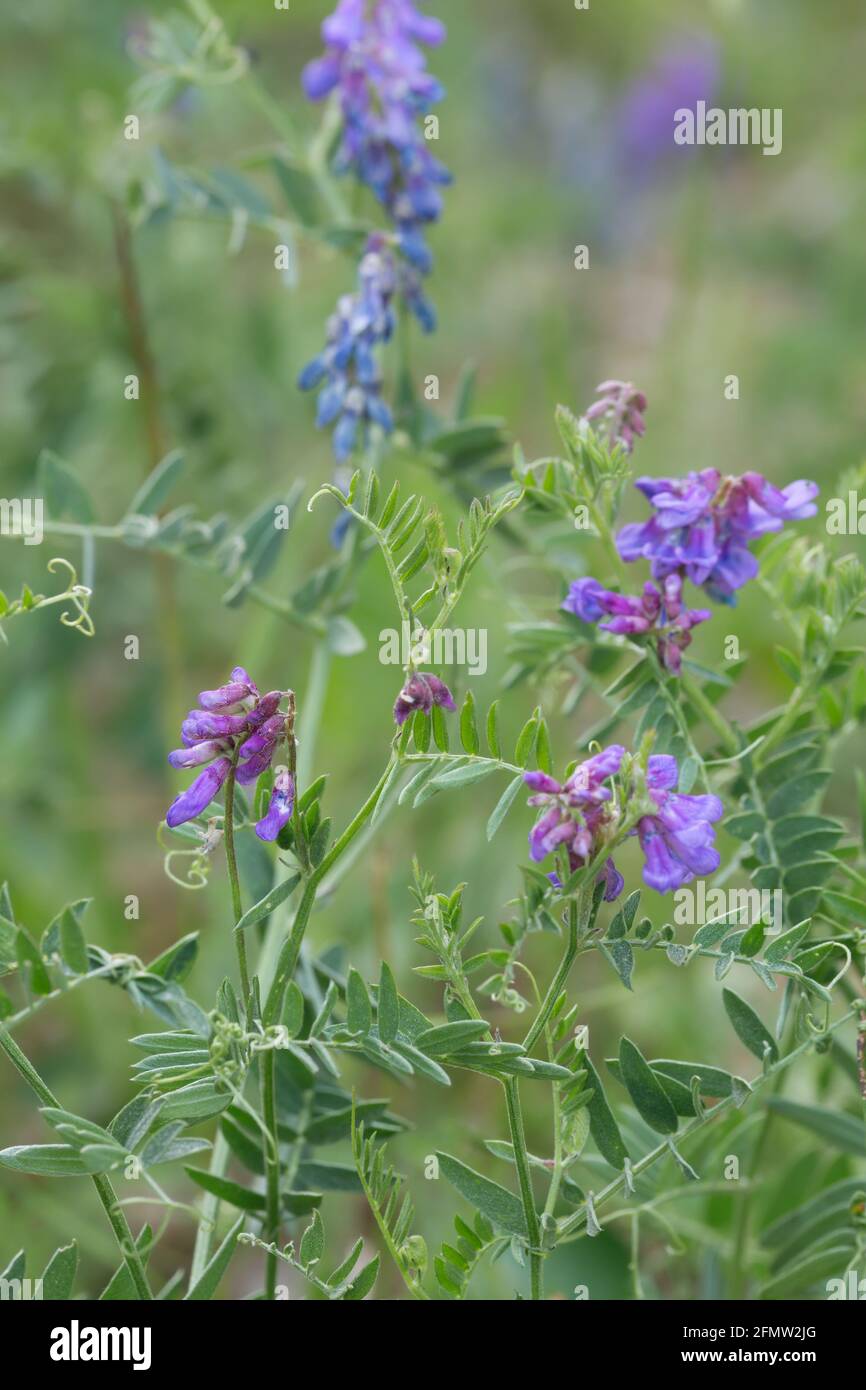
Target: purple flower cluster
point(347, 369)
point(373, 60)
point(658, 612)
point(677, 839)
point(703, 525)
point(422, 691)
point(233, 724)
point(676, 835)
point(577, 815)
point(620, 409)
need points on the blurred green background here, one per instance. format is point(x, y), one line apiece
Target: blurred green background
point(701, 265)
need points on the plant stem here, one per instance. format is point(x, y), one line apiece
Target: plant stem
point(267, 1082)
point(714, 717)
point(518, 1140)
point(288, 958)
point(232, 864)
point(105, 1191)
point(209, 1210)
point(557, 983)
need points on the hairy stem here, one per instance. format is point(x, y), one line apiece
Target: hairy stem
point(521, 1158)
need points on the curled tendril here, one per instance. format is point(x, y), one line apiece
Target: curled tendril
point(79, 595)
point(197, 873)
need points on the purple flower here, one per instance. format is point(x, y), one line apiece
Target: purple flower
point(703, 525)
point(657, 612)
point(236, 725)
point(421, 692)
point(678, 841)
point(683, 73)
point(576, 815)
point(280, 807)
point(620, 408)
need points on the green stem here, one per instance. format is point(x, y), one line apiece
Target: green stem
point(267, 1081)
point(105, 1191)
point(713, 716)
point(288, 958)
point(557, 983)
point(209, 1210)
point(521, 1158)
point(234, 880)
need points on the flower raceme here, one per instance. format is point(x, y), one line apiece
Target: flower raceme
point(675, 830)
point(233, 724)
point(375, 65)
point(703, 525)
point(374, 62)
point(659, 613)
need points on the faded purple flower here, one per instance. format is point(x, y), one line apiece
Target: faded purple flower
point(703, 525)
point(576, 815)
point(683, 73)
point(678, 841)
point(234, 724)
point(620, 409)
point(422, 691)
point(658, 612)
point(347, 369)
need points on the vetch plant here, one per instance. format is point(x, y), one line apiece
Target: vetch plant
point(632, 767)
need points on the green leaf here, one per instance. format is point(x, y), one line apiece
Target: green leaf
point(450, 1037)
point(646, 1090)
point(73, 946)
point(464, 775)
point(176, 962)
point(31, 963)
point(62, 489)
point(226, 1190)
point(312, 1242)
point(499, 1205)
point(359, 1013)
point(782, 945)
point(796, 793)
point(292, 1017)
point(269, 902)
point(388, 1005)
point(207, 1285)
point(815, 1268)
point(748, 1026)
point(503, 805)
point(45, 1160)
point(621, 957)
point(493, 740)
point(713, 1081)
point(834, 1126)
point(603, 1127)
point(468, 727)
point(59, 1273)
point(363, 1282)
point(157, 485)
